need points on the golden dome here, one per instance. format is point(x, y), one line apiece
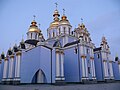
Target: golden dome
point(54, 24)
point(82, 25)
point(56, 13)
point(64, 20)
point(34, 27)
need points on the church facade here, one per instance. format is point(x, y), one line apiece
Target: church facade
point(65, 56)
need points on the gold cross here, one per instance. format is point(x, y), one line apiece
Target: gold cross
point(56, 5)
point(34, 17)
point(63, 11)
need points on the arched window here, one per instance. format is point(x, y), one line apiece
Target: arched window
point(31, 35)
point(59, 31)
point(36, 36)
point(49, 35)
point(64, 29)
point(53, 34)
point(69, 31)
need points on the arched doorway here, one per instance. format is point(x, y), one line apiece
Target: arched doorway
point(39, 77)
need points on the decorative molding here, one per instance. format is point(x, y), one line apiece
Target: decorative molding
point(18, 53)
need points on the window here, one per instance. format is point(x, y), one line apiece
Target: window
point(59, 31)
point(64, 29)
point(69, 31)
point(75, 50)
point(89, 70)
point(31, 35)
point(86, 39)
point(49, 35)
point(36, 36)
point(98, 56)
point(87, 51)
point(53, 34)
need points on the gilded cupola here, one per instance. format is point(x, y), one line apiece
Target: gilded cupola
point(55, 23)
point(56, 16)
point(64, 20)
point(33, 27)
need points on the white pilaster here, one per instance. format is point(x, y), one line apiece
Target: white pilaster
point(62, 65)
point(17, 66)
point(111, 70)
point(86, 68)
point(93, 68)
point(57, 65)
point(5, 70)
point(119, 66)
point(83, 68)
point(11, 66)
point(92, 72)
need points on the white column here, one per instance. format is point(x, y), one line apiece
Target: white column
point(111, 69)
point(107, 69)
point(17, 66)
point(5, 68)
point(104, 68)
point(11, 66)
point(83, 68)
point(86, 68)
point(62, 65)
point(57, 65)
point(119, 67)
point(92, 72)
point(93, 68)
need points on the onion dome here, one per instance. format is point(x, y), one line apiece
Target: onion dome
point(57, 44)
point(64, 20)
point(55, 23)
point(34, 27)
point(2, 55)
point(9, 51)
point(82, 26)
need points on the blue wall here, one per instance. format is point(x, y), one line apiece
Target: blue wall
point(71, 65)
point(99, 67)
point(33, 60)
point(116, 71)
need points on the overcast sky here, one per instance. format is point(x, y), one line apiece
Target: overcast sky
point(101, 17)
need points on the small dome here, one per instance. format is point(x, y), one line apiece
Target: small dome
point(82, 26)
point(54, 24)
point(64, 21)
point(57, 44)
point(56, 13)
point(34, 27)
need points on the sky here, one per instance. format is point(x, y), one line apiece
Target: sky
point(101, 18)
